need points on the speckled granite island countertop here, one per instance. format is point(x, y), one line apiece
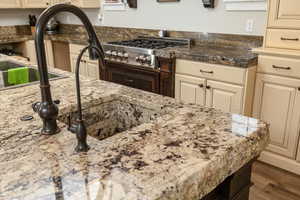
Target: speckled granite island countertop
point(162, 151)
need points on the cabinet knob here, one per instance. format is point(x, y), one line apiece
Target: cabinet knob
point(298, 88)
point(201, 85)
point(208, 87)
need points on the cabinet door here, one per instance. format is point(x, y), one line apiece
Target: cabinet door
point(36, 3)
point(30, 51)
point(223, 96)
point(83, 64)
point(10, 4)
point(49, 53)
point(92, 68)
point(277, 101)
point(284, 13)
point(190, 89)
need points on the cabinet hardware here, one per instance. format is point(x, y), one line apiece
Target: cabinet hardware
point(298, 88)
point(129, 80)
point(290, 39)
point(201, 85)
point(207, 72)
point(208, 87)
point(278, 67)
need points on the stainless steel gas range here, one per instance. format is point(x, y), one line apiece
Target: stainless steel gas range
point(134, 63)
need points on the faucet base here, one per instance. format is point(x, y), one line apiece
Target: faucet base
point(50, 128)
point(82, 148)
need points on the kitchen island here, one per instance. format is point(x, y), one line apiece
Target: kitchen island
point(143, 146)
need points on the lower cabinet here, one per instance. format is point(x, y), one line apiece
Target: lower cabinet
point(28, 50)
point(277, 101)
point(224, 96)
point(213, 86)
point(88, 68)
point(190, 89)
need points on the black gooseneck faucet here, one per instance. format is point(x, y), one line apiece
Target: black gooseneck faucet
point(47, 108)
point(79, 128)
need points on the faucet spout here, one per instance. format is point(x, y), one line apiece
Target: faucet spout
point(47, 109)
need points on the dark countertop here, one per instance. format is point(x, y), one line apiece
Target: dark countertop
point(231, 56)
point(214, 54)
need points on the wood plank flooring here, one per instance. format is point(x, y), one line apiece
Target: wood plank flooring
point(271, 183)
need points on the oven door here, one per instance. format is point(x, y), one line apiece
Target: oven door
point(133, 76)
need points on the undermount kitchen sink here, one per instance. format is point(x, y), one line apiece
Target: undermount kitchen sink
point(110, 118)
point(33, 75)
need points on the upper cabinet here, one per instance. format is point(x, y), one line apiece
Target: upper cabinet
point(36, 3)
point(284, 14)
point(10, 4)
point(86, 3)
point(47, 3)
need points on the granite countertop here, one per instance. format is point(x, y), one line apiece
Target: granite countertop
point(215, 54)
point(173, 151)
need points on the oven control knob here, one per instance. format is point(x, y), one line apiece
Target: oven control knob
point(120, 54)
point(114, 53)
point(108, 53)
point(126, 56)
point(148, 60)
point(142, 59)
point(137, 59)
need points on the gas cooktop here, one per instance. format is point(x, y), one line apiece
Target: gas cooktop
point(150, 43)
point(140, 51)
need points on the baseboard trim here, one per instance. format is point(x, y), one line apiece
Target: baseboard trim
point(280, 162)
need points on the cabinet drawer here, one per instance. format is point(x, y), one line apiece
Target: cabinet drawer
point(279, 66)
point(217, 72)
point(287, 39)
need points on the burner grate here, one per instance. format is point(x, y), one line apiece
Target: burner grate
point(149, 43)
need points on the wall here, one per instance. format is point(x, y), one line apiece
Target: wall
point(10, 17)
point(187, 15)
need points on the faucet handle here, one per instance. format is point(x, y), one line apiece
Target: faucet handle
point(36, 106)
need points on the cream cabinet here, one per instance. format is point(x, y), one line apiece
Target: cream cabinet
point(190, 89)
point(284, 14)
point(10, 4)
point(88, 68)
point(28, 50)
point(224, 96)
point(36, 3)
point(47, 3)
point(229, 89)
point(86, 3)
point(277, 101)
point(277, 93)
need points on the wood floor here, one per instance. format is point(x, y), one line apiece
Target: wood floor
point(271, 183)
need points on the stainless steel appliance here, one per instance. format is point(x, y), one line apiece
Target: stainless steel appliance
point(140, 51)
point(134, 63)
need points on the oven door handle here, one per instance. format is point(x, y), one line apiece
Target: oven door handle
point(129, 80)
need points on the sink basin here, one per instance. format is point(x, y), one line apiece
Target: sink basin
point(113, 117)
point(33, 75)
